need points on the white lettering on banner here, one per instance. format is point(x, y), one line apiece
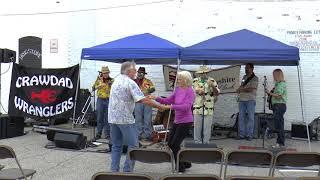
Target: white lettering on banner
point(30, 51)
point(44, 80)
point(46, 111)
point(54, 80)
point(228, 78)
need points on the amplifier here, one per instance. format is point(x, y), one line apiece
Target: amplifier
point(11, 126)
point(261, 122)
point(299, 130)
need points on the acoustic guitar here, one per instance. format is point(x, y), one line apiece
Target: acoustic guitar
point(269, 100)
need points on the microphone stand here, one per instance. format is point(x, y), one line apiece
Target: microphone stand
point(265, 123)
point(94, 112)
point(202, 124)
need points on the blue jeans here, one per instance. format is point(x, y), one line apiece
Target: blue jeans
point(120, 134)
point(102, 116)
point(246, 107)
point(143, 116)
point(278, 112)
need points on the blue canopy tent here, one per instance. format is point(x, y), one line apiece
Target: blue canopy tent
point(233, 48)
point(143, 48)
point(240, 47)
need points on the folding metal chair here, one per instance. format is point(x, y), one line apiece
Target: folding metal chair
point(252, 177)
point(152, 156)
point(249, 158)
point(13, 173)
point(201, 155)
point(296, 159)
point(308, 178)
point(120, 176)
point(190, 177)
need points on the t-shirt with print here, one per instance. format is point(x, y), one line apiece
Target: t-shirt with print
point(123, 96)
point(253, 83)
point(207, 100)
point(280, 88)
point(104, 90)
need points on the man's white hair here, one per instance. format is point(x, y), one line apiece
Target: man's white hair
point(126, 66)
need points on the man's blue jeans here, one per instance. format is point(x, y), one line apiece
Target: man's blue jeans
point(102, 116)
point(122, 134)
point(143, 116)
point(246, 107)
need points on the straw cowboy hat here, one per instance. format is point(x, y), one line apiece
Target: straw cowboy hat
point(105, 69)
point(203, 69)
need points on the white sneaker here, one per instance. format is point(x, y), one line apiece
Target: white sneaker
point(276, 146)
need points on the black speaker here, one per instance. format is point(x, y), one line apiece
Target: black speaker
point(3, 128)
point(300, 131)
point(262, 122)
point(57, 121)
point(70, 141)
point(11, 126)
point(7, 56)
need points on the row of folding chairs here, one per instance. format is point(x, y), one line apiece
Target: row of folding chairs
point(137, 176)
point(6, 152)
point(261, 158)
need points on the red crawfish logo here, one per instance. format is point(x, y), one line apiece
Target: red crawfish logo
point(45, 96)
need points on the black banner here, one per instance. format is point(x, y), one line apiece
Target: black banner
point(43, 92)
point(30, 51)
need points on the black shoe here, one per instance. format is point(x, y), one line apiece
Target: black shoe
point(187, 165)
point(98, 136)
point(249, 138)
point(182, 169)
point(239, 138)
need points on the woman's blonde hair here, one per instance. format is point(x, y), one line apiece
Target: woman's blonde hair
point(186, 77)
point(278, 75)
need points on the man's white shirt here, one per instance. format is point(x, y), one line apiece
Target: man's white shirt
point(123, 96)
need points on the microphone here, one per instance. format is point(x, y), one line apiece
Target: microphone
point(265, 81)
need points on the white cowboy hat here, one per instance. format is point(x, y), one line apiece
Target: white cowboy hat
point(203, 69)
point(105, 69)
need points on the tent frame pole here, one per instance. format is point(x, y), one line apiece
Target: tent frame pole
point(174, 88)
point(76, 98)
point(302, 103)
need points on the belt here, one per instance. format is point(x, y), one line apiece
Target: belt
point(103, 98)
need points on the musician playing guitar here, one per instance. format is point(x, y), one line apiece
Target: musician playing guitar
point(269, 100)
point(247, 102)
point(278, 101)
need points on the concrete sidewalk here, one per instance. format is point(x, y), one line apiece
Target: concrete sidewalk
point(66, 164)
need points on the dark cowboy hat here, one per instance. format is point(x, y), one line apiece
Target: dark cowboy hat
point(142, 70)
